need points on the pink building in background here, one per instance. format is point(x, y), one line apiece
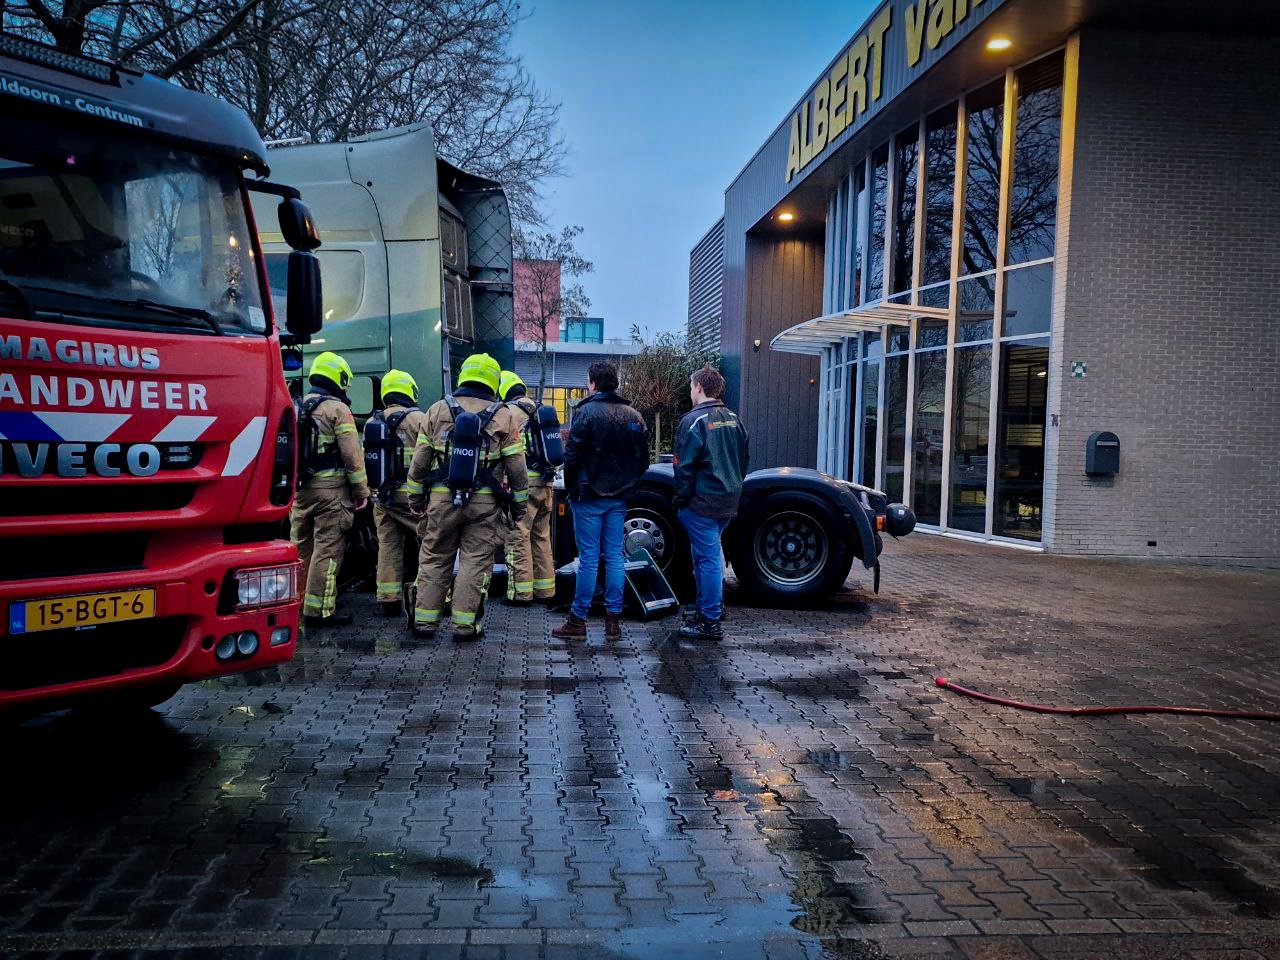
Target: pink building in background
point(534, 278)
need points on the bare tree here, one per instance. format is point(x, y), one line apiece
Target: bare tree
point(330, 70)
point(656, 381)
point(543, 295)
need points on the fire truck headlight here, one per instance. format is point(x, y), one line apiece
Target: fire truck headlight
point(266, 586)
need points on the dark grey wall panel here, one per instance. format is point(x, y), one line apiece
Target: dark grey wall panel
point(777, 402)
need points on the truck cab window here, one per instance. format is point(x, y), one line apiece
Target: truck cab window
point(344, 282)
point(125, 230)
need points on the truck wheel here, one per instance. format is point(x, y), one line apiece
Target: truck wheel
point(654, 514)
point(789, 553)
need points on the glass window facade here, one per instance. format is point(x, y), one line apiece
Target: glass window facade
point(927, 433)
point(971, 416)
point(1033, 197)
point(949, 414)
point(879, 220)
point(1020, 439)
point(906, 182)
point(1028, 300)
point(940, 191)
point(868, 417)
point(895, 424)
point(985, 130)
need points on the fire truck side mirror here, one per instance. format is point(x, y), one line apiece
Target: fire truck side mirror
point(305, 305)
point(298, 224)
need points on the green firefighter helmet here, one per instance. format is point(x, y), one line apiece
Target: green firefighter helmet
point(332, 367)
point(397, 381)
point(480, 368)
point(506, 382)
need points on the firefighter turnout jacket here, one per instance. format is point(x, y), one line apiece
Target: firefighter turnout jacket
point(323, 509)
point(338, 445)
point(530, 555)
point(397, 527)
point(473, 531)
point(503, 453)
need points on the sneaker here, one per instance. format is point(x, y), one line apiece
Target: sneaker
point(572, 629)
point(390, 608)
point(701, 629)
point(612, 626)
point(336, 620)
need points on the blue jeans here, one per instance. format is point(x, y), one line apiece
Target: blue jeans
point(708, 564)
point(597, 523)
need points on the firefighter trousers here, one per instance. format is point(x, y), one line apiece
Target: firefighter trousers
point(397, 535)
point(319, 522)
point(531, 569)
point(471, 533)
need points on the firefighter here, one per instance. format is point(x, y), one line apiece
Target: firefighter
point(333, 486)
point(531, 572)
point(468, 517)
point(397, 527)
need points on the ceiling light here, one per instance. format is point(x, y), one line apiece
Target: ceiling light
point(999, 43)
point(786, 217)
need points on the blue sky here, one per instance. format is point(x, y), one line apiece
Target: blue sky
point(662, 104)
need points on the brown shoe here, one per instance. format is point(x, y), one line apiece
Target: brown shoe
point(572, 629)
point(612, 626)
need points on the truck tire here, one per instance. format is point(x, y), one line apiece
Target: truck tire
point(655, 514)
point(787, 554)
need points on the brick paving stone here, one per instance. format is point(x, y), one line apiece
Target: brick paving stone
point(800, 790)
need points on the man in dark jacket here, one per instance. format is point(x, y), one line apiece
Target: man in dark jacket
point(710, 462)
point(607, 454)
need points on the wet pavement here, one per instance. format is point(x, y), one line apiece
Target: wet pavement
point(800, 791)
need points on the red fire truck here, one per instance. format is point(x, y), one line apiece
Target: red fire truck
point(146, 435)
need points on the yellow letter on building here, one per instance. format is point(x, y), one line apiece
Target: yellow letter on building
point(839, 119)
point(916, 17)
point(942, 20)
point(821, 116)
point(857, 78)
point(875, 38)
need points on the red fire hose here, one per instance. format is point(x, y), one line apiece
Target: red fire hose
point(946, 684)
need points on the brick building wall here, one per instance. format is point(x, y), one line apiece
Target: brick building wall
point(1172, 297)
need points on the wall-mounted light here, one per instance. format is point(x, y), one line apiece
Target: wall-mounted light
point(996, 44)
point(755, 344)
point(786, 216)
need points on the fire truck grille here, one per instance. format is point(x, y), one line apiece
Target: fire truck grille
point(38, 558)
point(66, 656)
point(62, 500)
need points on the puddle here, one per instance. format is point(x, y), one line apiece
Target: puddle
point(838, 685)
point(836, 760)
point(354, 859)
point(818, 903)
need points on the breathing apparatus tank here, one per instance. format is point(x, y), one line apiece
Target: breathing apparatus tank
point(466, 440)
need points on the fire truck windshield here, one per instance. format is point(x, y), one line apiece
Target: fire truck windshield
point(124, 231)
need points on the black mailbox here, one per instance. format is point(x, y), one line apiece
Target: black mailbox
point(1102, 454)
